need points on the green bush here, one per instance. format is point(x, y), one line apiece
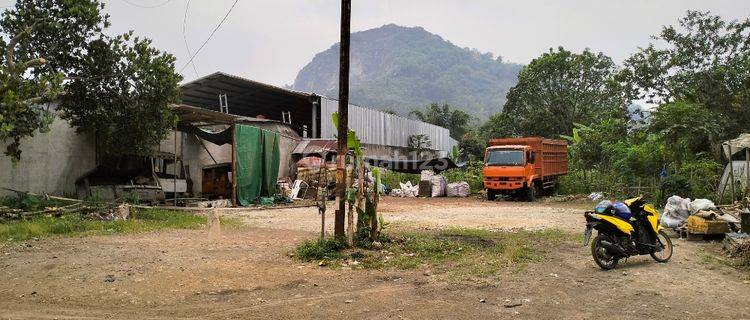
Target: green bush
point(392, 179)
point(703, 175)
point(676, 185)
point(30, 203)
point(472, 174)
point(587, 181)
point(320, 249)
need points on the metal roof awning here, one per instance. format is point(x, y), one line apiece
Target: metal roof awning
point(199, 116)
point(734, 146)
point(315, 147)
point(248, 98)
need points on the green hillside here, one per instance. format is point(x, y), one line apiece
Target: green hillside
point(402, 68)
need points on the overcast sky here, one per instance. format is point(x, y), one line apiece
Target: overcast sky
point(271, 40)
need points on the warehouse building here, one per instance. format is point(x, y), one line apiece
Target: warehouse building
point(300, 122)
point(310, 114)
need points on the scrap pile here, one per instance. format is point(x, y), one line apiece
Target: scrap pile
point(29, 205)
point(699, 218)
point(406, 190)
point(737, 245)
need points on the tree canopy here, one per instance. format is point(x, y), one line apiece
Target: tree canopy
point(561, 88)
point(118, 88)
point(445, 116)
point(45, 38)
point(704, 60)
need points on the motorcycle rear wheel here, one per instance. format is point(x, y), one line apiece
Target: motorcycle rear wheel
point(666, 253)
point(602, 259)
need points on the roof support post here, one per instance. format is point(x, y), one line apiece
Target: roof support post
point(315, 120)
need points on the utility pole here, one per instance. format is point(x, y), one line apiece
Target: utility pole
point(343, 129)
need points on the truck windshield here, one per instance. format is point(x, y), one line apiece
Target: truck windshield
point(504, 158)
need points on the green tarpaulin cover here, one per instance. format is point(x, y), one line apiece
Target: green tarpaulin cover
point(257, 156)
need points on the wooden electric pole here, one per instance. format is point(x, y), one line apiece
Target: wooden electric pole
point(343, 129)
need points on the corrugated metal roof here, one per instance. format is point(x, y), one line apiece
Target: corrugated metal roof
point(377, 127)
point(244, 81)
point(316, 146)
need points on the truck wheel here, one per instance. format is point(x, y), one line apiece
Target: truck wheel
point(531, 193)
point(491, 195)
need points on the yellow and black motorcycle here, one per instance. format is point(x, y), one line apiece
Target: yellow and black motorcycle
point(626, 229)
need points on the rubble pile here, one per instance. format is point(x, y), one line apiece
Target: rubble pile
point(407, 190)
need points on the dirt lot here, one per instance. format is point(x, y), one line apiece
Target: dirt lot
point(247, 274)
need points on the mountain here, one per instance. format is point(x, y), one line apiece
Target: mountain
point(403, 68)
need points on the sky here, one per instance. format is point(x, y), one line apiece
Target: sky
point(271, 40)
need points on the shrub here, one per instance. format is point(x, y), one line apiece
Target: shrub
point(472, 174)
point(391, 179)
point(676, 185)
point(703, 175)
point(320, 249)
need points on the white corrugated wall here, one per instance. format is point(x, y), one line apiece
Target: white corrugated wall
point(377, 127)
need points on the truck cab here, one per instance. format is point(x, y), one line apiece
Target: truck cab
point(508, 169)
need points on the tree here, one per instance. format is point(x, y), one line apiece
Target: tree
point(390, 111)
point(561, 88)
point(445, 116)
point(123, 95)
point(686, 129)
point(22, 96)
point(471, 145)
point(419, 143)
point(116, 87)
point(45, 37)
point(704, 60)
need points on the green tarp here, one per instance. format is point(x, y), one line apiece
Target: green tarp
point(257, 156)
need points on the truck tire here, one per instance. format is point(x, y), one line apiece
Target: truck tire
point(491, 195)
point(531, 193)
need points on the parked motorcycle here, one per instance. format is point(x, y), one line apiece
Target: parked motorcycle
point(625, 229)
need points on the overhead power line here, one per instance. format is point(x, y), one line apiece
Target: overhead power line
point(147, 6)
point(209, 36)
point(184, 35)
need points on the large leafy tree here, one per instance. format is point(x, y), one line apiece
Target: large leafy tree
point(39, 41)
point(685, 128)
point(122, 94)
point(561, 88)
point(445, 116)
point(704, 60)
point(117, 88)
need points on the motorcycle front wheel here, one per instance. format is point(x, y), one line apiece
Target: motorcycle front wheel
point(666, 252)
point(603, 259)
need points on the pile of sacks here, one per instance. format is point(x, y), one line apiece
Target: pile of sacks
point(678, 209)
point(432, 185)
point(440, 188)
point(406, 190)
point(458, 189)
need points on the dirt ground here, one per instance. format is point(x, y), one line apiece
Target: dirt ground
point(246, 273)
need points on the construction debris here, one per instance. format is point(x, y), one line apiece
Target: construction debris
point(737, 245)
point(700, 218)
point(220, 203)
point(406, 190)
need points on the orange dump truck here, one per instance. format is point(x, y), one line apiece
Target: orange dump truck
point(524, 166)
